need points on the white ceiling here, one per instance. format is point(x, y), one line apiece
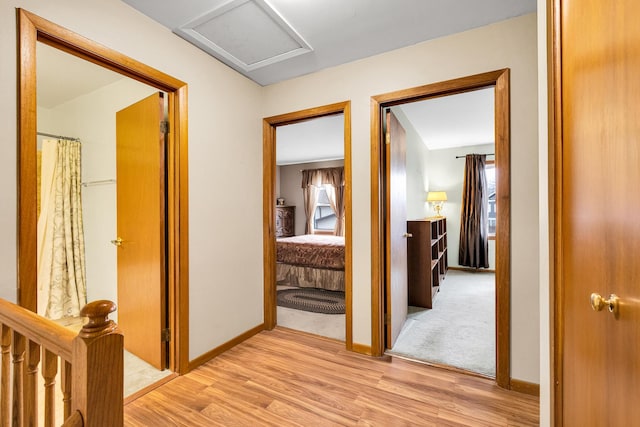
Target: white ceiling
point(454, 120)
point(275, 40)
point(310, 141)
point(445, 122)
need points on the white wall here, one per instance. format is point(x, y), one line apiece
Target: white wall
point(225, 161)
point(509, 44)
point(278, 182)
point(92, 118)
point(545, 285)
point(225, 112)
point(291, 187)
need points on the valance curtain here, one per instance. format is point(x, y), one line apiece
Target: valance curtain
point(62, 288)
point(474, 229)
point(332, 179)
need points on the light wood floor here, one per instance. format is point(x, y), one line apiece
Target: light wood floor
point(287, 378)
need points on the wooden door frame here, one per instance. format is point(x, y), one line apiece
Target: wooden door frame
point(554, 117)
point(500, 80)
point(269, 125)
point(33, 29)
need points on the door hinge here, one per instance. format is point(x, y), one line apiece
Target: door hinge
point(387, 318)
point(164, 126)
point(165, 335)
point(387, 138)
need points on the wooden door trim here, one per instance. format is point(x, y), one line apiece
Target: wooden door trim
point(269, 125)
point(554, 116)
point(32, 29)
point(500, 80)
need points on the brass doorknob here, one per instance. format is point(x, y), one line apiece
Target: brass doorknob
point(117, 242)
point(598, 303)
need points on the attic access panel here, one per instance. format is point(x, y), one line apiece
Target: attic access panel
point(245, 34)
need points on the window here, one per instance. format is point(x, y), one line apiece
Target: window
point(490, 173)
point(324, 219)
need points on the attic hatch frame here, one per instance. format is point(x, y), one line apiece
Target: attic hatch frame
point(33, 29)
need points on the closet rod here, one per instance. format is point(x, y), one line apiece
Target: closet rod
point(101, 182)
point(462, 157)
point(58, 136)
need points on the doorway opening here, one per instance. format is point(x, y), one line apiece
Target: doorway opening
point(288, 225)
point(35, 30)
point(383, 314)
point(451, 310)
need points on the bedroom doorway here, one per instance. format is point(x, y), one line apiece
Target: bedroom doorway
point(453, 324)
point(303, 290)
point(34, 31)
point(499, 81)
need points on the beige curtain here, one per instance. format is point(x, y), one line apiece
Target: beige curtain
point(474, 244)
point(332, 179)
point(334, 187)
point(309, 195)
point(61, 255)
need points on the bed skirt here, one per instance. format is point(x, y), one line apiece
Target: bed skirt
point(308, 277)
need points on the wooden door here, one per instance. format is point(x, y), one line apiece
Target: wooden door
point(598, 222)
point(140, 162)
point(397, 299)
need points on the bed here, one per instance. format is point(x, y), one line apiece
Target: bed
point(311, 261)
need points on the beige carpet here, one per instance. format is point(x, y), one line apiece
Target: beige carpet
point(138, 374)
point(325, 325)
point(460, 329)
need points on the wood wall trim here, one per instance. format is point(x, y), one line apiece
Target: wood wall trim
point(268, 222)
point(269, 125)
point(377, 231)
point(554, 102)
point(201, 360)
point(33, 29)
point(503, 229)
point(500, 80)
point(362, 349)
point(525, 387)
point(82, 47)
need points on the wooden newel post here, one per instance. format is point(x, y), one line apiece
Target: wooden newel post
point(98, 365)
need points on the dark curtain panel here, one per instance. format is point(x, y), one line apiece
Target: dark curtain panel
point(474, 243)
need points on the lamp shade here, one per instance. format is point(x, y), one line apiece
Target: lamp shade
point(436, 196)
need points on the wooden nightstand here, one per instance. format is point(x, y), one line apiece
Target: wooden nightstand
point(285, 221)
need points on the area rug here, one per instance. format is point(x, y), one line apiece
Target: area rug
point(313, 300)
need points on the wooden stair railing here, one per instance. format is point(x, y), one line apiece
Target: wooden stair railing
point(91, 368)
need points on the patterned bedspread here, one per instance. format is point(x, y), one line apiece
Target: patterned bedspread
point(318, 251)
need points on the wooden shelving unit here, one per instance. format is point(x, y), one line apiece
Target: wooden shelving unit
point(427, 259)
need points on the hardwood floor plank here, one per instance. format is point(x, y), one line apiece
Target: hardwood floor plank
point(282, 378)
point(331, 363)
point(401, 408)
point(230, 411)
point(300, 416)
point(155, 409)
